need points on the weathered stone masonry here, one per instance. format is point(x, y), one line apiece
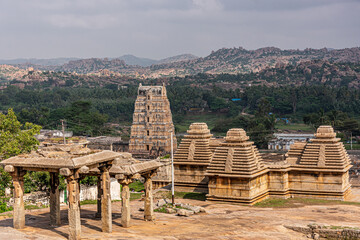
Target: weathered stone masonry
point(152, 123)
point(235, 172)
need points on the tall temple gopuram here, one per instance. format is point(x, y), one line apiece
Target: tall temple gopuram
point(152, 123)
point(236, 172)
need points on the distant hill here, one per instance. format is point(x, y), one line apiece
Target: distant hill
point(240, 60)
point(313, 72)
point(178, 58)
point(133, 60)
point(146, 62)
point(222, 61)
point(92, 65)
point(34, 61)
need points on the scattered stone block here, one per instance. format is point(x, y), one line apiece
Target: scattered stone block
point(185, 213)
point(161, 202)
point(170, 210)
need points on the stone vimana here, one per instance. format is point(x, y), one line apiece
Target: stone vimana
point(152, 123)
point(235, 172)
point(192, 158)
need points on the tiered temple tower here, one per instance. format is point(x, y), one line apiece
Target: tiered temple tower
point(236, 172)
point(320, 168)
point(152, 123)
point(192, 158)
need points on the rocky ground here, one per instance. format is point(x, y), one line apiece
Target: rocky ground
point(221, 221)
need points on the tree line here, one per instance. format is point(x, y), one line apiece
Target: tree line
point(87, 110)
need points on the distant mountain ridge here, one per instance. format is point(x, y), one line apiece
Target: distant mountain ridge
point(313, 72)
point(177, 58)
point(35, 61)
point(129, 59)
point(147, 62)
point(240, 60)
point(92, 65)
point(137, 61)
point(225, 60)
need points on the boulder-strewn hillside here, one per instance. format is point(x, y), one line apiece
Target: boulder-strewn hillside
point(312, 72)
point(178, 58)
point(8, 73)
point(225, 60)
point(240, 60)
point(92, 65)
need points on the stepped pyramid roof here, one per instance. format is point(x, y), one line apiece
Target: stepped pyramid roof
point(236, 156)
point(214, 143)
point(194, 148)
point(324, 151)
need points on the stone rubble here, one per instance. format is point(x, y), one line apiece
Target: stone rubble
point(181, 209)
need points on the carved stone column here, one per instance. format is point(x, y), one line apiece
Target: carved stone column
point(99, 194)
point(106, 217)
point(125, 199)
point(19, 208)
point(148, 203)
point(74, 210)
point(54, 200)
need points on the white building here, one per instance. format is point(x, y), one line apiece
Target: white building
point(282, 141)
point(46, 134)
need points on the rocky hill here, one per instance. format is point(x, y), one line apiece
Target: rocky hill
point(137, 61)
point(178, 58)
point(313, 72)
point(146, 62)
point(35, 61)
point(225, 60)
point(240, 60)
point(92, 65)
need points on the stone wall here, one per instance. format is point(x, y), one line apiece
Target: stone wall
point(191, 178)
point(242, 190)
point(163, 175)
point(90, 192)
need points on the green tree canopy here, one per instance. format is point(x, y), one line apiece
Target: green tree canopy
point(16, 138)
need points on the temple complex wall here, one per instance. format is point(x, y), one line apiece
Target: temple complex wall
point(163, 176)
point(242, 190)
point(233, 170)
point(191, 178)
point(278, 183)
point(319, 184)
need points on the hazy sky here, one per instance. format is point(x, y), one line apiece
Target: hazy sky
point(162, 28)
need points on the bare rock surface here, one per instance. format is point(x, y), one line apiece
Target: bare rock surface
point(221, 221)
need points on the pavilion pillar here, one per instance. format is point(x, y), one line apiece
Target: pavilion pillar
point(148, 203)
point(54, 200)
point(106, 214)
point(19, 208)
point(74, 209)
point(125, 200)
point(99, 194)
